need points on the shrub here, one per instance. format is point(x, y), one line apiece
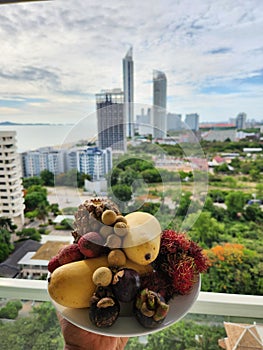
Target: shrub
point(10, 310)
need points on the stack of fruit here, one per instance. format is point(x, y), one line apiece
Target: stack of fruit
point(116, 259)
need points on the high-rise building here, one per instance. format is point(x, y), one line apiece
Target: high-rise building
point(128, 89)
point(33, 162)
point(11, 191)
point(111, 120)
point(174, 121)
point(241, 121)
point(144, 123)
point(95, 162)
point(192, 121)
point(159, 104)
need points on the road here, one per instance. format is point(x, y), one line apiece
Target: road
point(66, 196)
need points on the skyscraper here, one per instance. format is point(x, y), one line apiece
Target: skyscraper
point(111, 120)
point(159, 104)
point(128, 82)
point(174, 121)
point(192, 121)
point(11, 197)
point(241, 121)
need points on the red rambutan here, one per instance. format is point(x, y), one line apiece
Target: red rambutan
point(172, 241)
point(179, 261)
point(201, 260)
point(184, 276)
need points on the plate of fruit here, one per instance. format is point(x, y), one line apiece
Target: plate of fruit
point(124, 275)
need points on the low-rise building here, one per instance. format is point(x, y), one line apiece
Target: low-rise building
point(242, 336)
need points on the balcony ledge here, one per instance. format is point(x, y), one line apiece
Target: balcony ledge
point(207, 303)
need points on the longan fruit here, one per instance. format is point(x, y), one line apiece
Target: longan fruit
point(113, 241)
point(108, 217)
point(117, 257)
point(121, 229)
point(102, 276)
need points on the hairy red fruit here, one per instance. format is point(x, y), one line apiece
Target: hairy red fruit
point(91, 244)
point(179, 262)
point(69, 253)
point(173, 242)
point(184, 276)
point(53, 264)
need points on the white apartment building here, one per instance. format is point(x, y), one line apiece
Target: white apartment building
point(95, 162)
point(11, 191)
point(33, 162)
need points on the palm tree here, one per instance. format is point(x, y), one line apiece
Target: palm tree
point(42, 212)
point(7, 224)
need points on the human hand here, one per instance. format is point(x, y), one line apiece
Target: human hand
point(79, 339)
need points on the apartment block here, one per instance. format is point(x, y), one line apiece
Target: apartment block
point(33, 162)
point(95, 162)
point(11, 191)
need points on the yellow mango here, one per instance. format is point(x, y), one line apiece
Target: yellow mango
point(142, 243)
point(71, 285)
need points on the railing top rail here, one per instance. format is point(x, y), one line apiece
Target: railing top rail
point(207, 303)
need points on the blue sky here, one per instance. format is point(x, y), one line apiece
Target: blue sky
point(56, 55)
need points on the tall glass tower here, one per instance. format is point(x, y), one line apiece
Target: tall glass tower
point(128, 83)
point(110, 120)
point(159, 104)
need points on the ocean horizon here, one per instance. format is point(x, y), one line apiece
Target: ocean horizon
point(33, 136)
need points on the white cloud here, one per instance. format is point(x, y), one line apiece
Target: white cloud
point(65, 52)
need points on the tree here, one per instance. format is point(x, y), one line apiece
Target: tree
point(234, 269)
point(30, 181)
point(128, 176)
point(29, 233)
point(254, 213)
point(114, 176)
point(206, 229)
point(34, 200)
point(122, 192)
point(259, 190)
point(42, 211)
point(185, 201)
point(7, 224)
point(11, 309)
point(38, 331)
point(81, 177)
point(6, 228)
point(47, 178)
point(54, 208)
point(181, 336)
point(235, 202)
point(35, 197)
point(255, 174)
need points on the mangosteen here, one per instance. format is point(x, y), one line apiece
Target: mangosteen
point(104, 308)
point(125, 284)
point(150, 309)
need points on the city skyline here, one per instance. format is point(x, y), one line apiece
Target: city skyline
point(57, 55)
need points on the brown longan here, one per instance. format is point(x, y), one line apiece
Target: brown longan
point(117, 257)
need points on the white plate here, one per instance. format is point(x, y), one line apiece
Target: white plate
point(128, 326)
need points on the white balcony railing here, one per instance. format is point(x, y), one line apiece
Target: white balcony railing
point(207, 303)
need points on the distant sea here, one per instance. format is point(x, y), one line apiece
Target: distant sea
point(31, 137)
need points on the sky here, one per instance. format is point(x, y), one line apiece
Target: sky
point(56, 55)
